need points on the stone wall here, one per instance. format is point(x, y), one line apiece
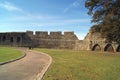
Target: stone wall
point(39, 39)
point(12, 39)
point(67, 40)
point(55, 39)
point(95, 42)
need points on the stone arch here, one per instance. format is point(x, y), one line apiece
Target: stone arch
point(109, 48)
point(118, 48)
point(96, 47)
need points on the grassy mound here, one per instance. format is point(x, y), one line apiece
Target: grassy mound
point(7, 53)
point(82, 65)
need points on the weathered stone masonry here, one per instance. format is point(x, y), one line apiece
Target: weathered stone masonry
point(94, 42)
point(68, 40)
point(39, 39)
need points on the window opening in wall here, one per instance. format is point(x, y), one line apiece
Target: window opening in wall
point(11, 39)
point(4, 38)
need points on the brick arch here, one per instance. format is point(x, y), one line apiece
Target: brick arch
point(118, 48)
point(96, 47)
point(109, 48)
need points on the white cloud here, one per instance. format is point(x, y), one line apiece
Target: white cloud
point(74, 4)
point(10, 7)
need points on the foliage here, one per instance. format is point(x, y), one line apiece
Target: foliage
point(82, 65)
point(106, 15)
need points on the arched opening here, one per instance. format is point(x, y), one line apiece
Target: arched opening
point(96, 47)
point(11, 39)
point(18, 39)
point(109, 48)
point(118, 49)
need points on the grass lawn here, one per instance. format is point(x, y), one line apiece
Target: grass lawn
point(7, 53)
point(82, 65)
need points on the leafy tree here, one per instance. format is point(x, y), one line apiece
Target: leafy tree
point(106, 15)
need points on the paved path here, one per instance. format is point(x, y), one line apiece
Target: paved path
point(26, 68)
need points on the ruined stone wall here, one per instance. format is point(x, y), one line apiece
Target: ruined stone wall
point(55, 39)
point(67, 40)
point(12, 39)
point(95, 42)
point(39, 39)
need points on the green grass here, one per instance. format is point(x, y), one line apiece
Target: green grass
point(82, 65)
point(7, 53)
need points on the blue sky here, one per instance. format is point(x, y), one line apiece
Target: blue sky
point(44, 15)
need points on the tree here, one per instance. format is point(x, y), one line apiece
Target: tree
point(106, 16)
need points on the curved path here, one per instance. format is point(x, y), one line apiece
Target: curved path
point(26, 68)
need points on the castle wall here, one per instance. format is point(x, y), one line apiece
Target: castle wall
point(67, 40)
point(12, 39)
point(94, 42)
point(55, 39)
point(39, 39)
point(82, 45)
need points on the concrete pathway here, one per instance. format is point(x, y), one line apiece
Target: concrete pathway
point(26, 68)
